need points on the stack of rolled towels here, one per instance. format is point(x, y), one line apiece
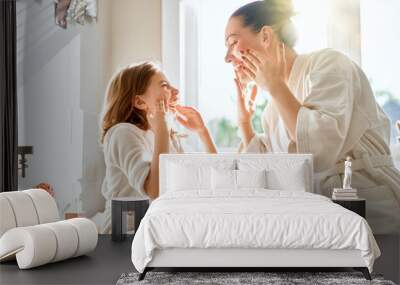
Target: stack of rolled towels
point(31, 232)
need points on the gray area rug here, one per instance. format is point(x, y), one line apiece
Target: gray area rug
point(273, 278)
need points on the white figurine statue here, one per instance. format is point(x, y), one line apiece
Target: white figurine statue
point(347, 174)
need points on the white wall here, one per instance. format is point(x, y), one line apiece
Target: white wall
point(94, 74)
point(48, 93)
point(38, 41)
point(62, 76)
point(136, 31)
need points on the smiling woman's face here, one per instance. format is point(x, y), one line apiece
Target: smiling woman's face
point(237, 39)
point(160, 89)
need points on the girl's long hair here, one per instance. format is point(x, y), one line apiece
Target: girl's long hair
point(118, 105)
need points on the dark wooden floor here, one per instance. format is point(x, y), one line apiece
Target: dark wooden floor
point(110, 260)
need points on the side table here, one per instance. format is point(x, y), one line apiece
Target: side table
point(119, 208)
point(355, 205)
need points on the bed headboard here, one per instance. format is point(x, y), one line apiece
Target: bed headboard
point(284, 162)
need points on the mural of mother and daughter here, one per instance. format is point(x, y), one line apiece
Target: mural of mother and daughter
point(322, 103)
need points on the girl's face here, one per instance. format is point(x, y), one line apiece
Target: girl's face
point(158, 89)
point(239, 39)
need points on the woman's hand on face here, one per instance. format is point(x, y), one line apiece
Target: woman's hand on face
point(243, 76)
point(157, 117)
point(245, 109)
point(265, 71)
point(190, 118)
point(173, 101)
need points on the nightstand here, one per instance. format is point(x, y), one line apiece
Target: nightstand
point(355, 205)
point(119, 209)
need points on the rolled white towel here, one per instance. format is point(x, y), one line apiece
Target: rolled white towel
point(45, 205)
point(24, 211)
point(67, 240)
point(26, 208)
point(7, 218)
point(40, 244)
point(33, 246)
point(87, 235)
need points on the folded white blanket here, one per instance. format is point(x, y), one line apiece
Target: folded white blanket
point(250, 219)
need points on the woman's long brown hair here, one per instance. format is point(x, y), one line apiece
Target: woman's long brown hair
point(118, 108)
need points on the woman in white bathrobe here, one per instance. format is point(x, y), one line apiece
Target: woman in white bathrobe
point(135, 132)
point(322, 103)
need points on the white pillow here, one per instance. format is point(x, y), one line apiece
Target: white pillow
point(251, 178)
point(282, 173)
point(293, 179)
point(223, 179)
point(183, 177)
point(229, 179)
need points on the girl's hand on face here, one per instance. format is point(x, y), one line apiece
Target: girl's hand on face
point(172, 107)
point(173, 100)
point(157, 117)
point(245, 109)
point(265, 71)
point(190, 118)
point(172, 104)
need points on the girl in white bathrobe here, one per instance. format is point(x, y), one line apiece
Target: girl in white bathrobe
point(135, 133)
point(322, 103)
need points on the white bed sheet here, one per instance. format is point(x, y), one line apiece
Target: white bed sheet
point(253, 218)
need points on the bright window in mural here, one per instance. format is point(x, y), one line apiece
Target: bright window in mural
point(380, 45)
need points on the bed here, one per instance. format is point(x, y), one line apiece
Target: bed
point(247, 211)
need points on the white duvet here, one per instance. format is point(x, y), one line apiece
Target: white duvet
point(250, 219)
